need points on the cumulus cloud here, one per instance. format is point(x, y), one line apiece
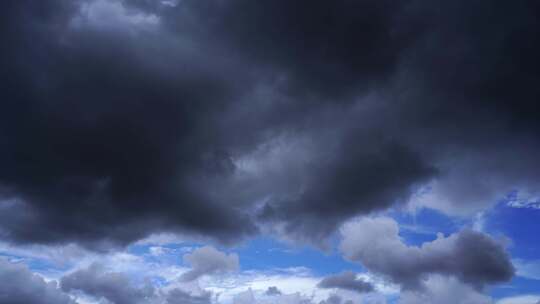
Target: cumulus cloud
point(121, 287)
point(20, 286)
point(472, 257)
point(208, 260)
point(114, 287)
point(346, 280)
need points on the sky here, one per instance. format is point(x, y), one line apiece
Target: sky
point(269, 151)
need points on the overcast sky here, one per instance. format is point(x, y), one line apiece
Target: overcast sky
point(269, 151)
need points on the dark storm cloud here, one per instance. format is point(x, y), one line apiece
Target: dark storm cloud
point(330, 48)
point(355, 179)
point(20, 286)
point(108, 134)
point(346, 280)
point(112, 286)
point(469, 99)
point(472, 257)
point(124, 118)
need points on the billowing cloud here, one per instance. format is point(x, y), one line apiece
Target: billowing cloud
point(125, 118)
point(114, 287)
point(208, 260)
point(347, 280)
point(20, 286)
point(472, 257)
point(102, 154)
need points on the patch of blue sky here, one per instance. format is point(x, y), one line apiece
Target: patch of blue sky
point(265, 253)
point(45, 267)
point(423, 225)
point(518, 286)
point(258, 254)
point(154, 250)
point(521, 226)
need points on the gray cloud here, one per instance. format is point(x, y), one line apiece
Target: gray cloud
point(346, 280)
point(178, 296)
point(355, 180)
point(470, 256)
point(126, 118)
point(115, 287)
point(208, 260)
point(335, 299)
point(273, 291)
point(20, 286)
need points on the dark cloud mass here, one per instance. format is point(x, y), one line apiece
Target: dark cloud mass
point(222, 118)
